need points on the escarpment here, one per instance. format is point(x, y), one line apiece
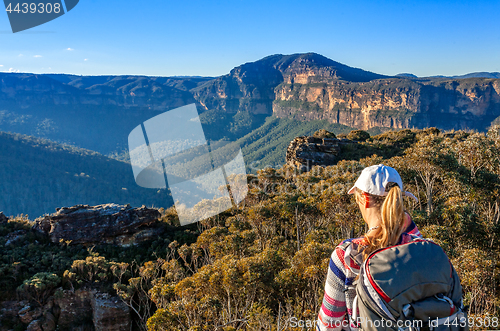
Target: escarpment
point(394, 103)
point(311, 87)
point(303, 86)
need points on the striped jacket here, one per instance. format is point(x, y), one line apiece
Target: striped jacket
point(345, 263)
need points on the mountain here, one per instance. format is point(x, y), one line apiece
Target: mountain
point(494, 75)
point(98, 112)
point(251, 86)
point(38, 176)
point(406, 75)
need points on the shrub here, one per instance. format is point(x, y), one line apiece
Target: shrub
point(39, 287)
point(358, 135)
point(323, 134)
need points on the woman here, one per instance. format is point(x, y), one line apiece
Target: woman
point(379, 194)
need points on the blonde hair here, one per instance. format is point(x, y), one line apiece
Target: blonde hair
point(392, 213)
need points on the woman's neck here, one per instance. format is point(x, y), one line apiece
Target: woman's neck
point(372, 217)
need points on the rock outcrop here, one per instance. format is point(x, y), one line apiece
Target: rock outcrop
point(74, 308)
point(89, 309)
point(85, 309)
point(111, 224)
point(110, 313)
point(306, 152)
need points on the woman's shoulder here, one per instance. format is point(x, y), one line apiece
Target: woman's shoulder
point(359, 242)
point(348, 253)
point(410, 226)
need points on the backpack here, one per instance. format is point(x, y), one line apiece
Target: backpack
point(412, 286)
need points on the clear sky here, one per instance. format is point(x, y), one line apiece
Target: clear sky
point(209, 38)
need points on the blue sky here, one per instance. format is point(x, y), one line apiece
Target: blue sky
point(209, 38)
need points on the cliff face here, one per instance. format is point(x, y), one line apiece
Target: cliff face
point(310, 87)
point(394, 103)
point(251, 86)
point(78, 109)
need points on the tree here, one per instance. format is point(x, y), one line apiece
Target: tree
point(423, 158)
point(40, 286)
point(358, 135)
point(476, 153)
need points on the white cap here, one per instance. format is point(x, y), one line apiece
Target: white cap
point(374, 179)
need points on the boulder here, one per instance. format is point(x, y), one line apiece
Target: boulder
point(35, 325)
point(74, 308)
point(15, 237)
point(49, 322)
point(110, 223)
point(28, 314)
point(89, 309)
point(306, 152)
point(110, 313)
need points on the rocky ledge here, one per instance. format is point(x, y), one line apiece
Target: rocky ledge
point(323, 149)
point(81, 310)
point(116, 224)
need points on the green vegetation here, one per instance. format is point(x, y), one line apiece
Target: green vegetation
point(39, 287)
point(219, 124)
point(324, 134)
point(358, 135)
point(257, 265)
point(42, 175)
point(38, 176)
point(266, 146)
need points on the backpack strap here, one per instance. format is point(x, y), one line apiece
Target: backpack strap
point(353, 257)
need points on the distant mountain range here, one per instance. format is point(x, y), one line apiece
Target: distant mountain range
point(494, 75)
point(98, 112)
point(260, 106)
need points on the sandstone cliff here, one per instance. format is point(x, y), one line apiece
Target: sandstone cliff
point(394, 103)
point(304, 86)
point(311, 87)
point(251, 86)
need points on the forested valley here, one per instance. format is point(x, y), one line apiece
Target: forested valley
point(261, 264)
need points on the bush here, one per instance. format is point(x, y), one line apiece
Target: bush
point(358, 135)
point(39, 287)
point(323, 134)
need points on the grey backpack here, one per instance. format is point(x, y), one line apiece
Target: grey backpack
point(411, 286)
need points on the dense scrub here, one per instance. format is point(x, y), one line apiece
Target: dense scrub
point(257, 266)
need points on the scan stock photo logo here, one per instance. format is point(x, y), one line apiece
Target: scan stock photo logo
point(24, 15)
point(171, 150)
